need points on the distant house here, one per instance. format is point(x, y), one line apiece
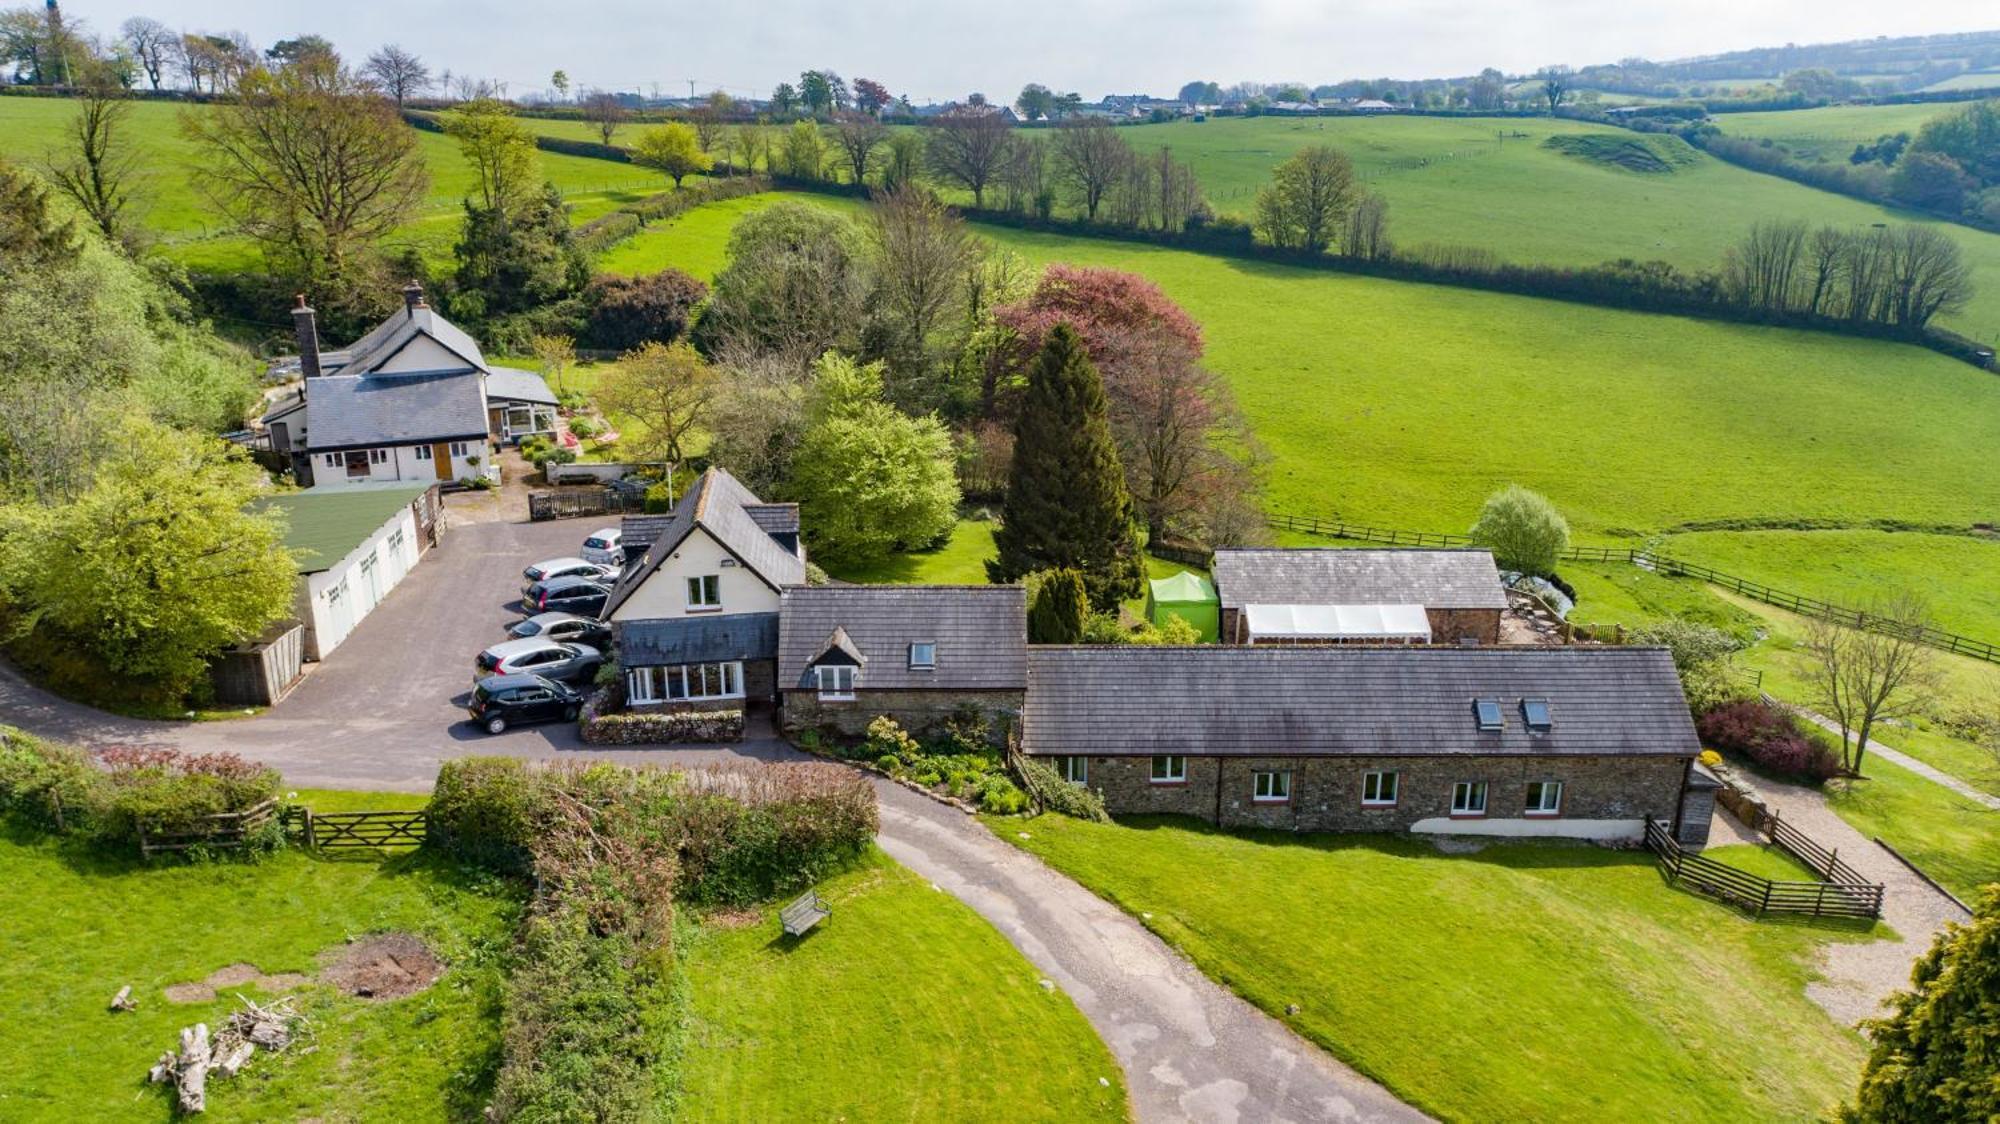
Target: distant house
point(1372, 105)
point(413, 400)
point(1333, 595)
point(1576, 742)
point(694, 617)
point(353, 545)
point(922, 655)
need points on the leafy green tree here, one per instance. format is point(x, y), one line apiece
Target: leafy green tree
point(796, 285)
point(803, 153)
point(516, 259)
point(1970, 137)
point(1060, 607)
point(784, 98)
point(505, 164)
point(1308, 201)
point(673, 149)
point(870, 478)
point(1523, 529)
point(666, 388)
point(1932, 1056)
point(195, 571)
point(1067, 507)
point(1036, 102)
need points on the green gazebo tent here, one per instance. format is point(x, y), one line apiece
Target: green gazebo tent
point(1188, 596)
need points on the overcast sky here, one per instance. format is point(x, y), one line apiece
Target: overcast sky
point(942, 49)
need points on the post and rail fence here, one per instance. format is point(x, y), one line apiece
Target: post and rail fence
point(1672, 567)
point(572, 503)
point(1843, 894)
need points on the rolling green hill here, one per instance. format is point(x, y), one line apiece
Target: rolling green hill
point(1831, 133)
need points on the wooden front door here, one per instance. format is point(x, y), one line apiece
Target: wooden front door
point(441, 457)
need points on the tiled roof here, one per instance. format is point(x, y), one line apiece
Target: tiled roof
point(716, 503)
point(390, 336)
point(518, 386)
point(1228, 701)
point(1435, 579)
point(980, 632)
point(662, 643)
point(775, 518)
point(350, 410)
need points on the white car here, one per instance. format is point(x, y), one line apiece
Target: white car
point(604, 547)
point(540, 656)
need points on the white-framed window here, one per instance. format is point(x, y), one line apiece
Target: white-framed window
point(357, 463)
point(330, 460)
point(691, 682)
point(378, 456)
point(458, 448)
point(423, 452)
point(836, 681)
point(1075, 770)
point(1468, 798)
point(1545, 798)
point(1378, 789)
point(1271, 787)
point(923, 656)
point(1169, 768)
point(705, 592)
point(520, 419)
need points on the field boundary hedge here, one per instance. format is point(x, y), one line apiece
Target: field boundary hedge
point(1626, 285)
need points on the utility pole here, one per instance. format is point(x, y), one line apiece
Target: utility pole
point(690, 89)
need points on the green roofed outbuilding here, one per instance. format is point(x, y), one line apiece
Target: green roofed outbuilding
point(1188, 596)
point(352, 546)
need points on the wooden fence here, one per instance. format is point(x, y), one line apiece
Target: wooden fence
point(1672, 567)
point(1843, 895)
point(572, 503)
point(333, 831)
point(224, 830)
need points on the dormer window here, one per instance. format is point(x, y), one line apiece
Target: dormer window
point(836, 681)
point(923, 656)
point(1535, 712)
point(1487, 713)
point(705, 592)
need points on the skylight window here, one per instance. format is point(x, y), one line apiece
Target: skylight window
point(1535, 712)
point(1487, 711)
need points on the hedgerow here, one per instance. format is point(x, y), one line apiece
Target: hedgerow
point(106, 800)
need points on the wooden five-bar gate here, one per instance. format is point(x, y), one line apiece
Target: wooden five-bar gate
point(332, 831)
point(1844, 894)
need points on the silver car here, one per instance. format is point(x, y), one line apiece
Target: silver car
point(563, 626)
point(567, 568)
point(551, 659)
point(604, 546)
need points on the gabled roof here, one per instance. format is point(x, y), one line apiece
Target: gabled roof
point(663, 643)
point(1435, 579)
point(325, 525)
point(839, 648)
point(1300, 701)
point(1184, 587)
point(717, 504)
point(980, 631)
point(391, 336)
point(775, 518)
point(358, 410)
point(514, 385)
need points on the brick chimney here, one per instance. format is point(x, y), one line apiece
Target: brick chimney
point(307, 330)
point(413, 296)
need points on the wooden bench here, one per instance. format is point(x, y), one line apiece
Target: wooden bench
point(804, 913)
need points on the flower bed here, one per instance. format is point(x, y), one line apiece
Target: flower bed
point(662, 728)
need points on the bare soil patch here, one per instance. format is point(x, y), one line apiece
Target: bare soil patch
point(234, 975)
point(384, 966)
point(733, 918)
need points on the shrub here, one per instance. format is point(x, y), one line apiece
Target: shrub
point(626, 312)
point(659, 499)
point(172, 793)
point(751, 834)
point(53, 787)
point(1771, 737)
point(483, 809)
point(1054, 794)
point(584, 428)
point(887, 739)
point(1523, 529)
point(1000, 796)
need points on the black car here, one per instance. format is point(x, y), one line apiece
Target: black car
point(580, 596)
point(517, 700)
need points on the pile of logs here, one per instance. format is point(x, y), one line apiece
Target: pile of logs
point(200, 1058)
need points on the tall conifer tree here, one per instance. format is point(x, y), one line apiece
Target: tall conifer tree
point(1066, 501)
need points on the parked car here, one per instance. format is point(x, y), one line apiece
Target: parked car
point(516, 700)
point(605, 547)
point(553, 659)
point(580, 596)
point(567, 568)
point(564, 626)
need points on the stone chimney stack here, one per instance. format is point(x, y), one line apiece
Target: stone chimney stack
point(307, 330)
point(413, 296)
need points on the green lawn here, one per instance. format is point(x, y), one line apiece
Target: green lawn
point(904, 1005)
point(960, 561)
point(1524, 982)
point(1764, 861)
point(78, 926)
point(1831, 133)
point(695, 243)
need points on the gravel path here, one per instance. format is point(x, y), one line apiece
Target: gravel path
point(1858, 977)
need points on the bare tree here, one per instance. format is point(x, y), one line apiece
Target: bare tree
point(858, 136)
point(1179, 191)
point(604, 110)
point(1556, 85)
point(1024, 172)
point(1826, 255)
point(96, 168)
point(1927, 275)
point(401, 74)
point(1368, 229)
point(1861, 675)
point(152, 45)
point(1762, 269)
point(968, 146)
point(1090, 156)
point(922, 253)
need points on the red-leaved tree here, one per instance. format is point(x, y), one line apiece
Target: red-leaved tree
point(1170, 414)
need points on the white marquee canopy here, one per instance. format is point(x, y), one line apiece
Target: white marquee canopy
point(1406, 624)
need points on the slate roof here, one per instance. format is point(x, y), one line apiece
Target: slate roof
point(663, 643)
point(383, 341)
point(716, 503)
point(1435, 579)
point(775, 518)
point(981, 634)
point(641, 531)
point(516, 385)
point(360, 410)
point(1299, 701)
point(324, 525)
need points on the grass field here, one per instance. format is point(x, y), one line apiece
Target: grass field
point(1832, 132)
point(904, 1005)
point(78, 926)
point(1524, 982)
point(174, 209)
point(1406, 404)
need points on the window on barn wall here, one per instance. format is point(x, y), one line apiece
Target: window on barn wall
point(1378, 789)
point(1468, 798)
point(1169, 768)
point(1273, 787)
point(1545, 798)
